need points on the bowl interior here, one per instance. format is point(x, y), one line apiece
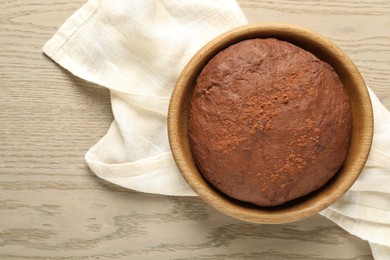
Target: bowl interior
point(361, 136)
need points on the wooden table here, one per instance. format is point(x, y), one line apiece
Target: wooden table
point(53, 206)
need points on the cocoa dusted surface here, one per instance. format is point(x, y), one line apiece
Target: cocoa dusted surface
point(269, 122)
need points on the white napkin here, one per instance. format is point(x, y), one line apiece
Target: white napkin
point(137, 49)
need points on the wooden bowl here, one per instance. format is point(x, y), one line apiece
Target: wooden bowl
point(361, 136)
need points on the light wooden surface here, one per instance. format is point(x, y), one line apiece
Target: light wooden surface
point(52, 206)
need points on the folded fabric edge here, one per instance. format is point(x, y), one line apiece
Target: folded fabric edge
point(376, 235)
point(71, 25)
point(238, 14)
point(162, 182)
point(356, 211)
point(157, 174)
point(124, 169)
point(53, 47)
point(380, 252)
point(378, 158)
point(129, 169)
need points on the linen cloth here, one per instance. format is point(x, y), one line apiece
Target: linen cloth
point(137, 50)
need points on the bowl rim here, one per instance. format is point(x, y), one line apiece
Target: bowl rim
point(180, 147)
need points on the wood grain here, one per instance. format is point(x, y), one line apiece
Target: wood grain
point(52, 206)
